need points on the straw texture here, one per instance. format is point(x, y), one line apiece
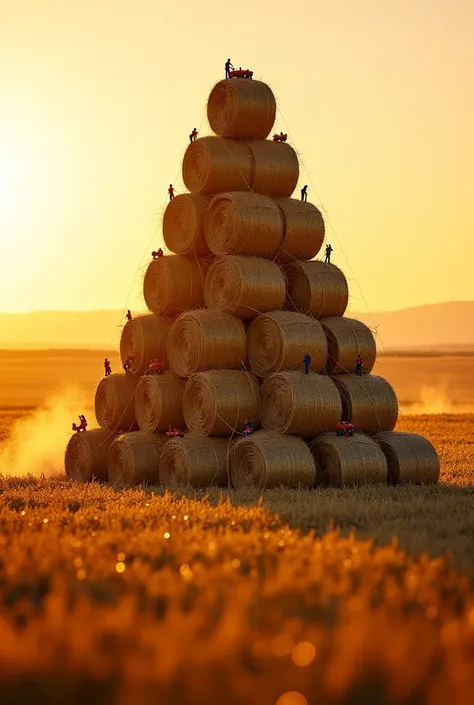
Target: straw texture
point(174, 284)
point(304, 405)
point(244, 286)
point(144, 338)
point(203, 340)
point(134, 459)
point(410, 457)
point(86, 455)
point(351, 460)
point(183, 225)
point(267, 459)
point(348, 338)
point(316, 288)
point(218, 402)
point(195, 460)
point(276, 169)
point(159, 402)
point(303, 230)
point(241, 109)
point(369, 402)
point(279, 340)
point(115, 404)
point(243, 223)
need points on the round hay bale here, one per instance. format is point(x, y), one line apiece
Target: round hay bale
point(159, 402)
point(368, 402)
point(86, 455)
point(241, 109)
point(213, 164)
point(134, 459)
point(275, 168)
point(203, 340)
point(304, 405)
point(144, 338)
point(244, 286)
point(411, 458)
point(114, 402)
point(279, 340)
point(218, 402)
point(174, 284)
point(348, 460)
point(195, 460)
point(267, 459)
point(316, 288)
point(303, 230)
point(183, 225)
point(243, 223)
point(348, 338)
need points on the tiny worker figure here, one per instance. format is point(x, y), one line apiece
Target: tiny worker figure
point(307, 362)
point(128, 315)
point(193, 135)
point(304, 193)
point(171, 192)
point(128, 363)
point(359, 365)
point(157, 253)
point(228, 68)
point(107, 368)
point(327, 257)
point(249, 429)
point(82, 426)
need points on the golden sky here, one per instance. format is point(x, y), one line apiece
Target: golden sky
point(97, 98)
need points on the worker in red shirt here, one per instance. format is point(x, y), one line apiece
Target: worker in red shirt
point(171, 192)
point(193, 135)
point(359, 364)
point(157, 253)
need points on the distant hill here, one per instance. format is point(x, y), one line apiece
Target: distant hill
point(448, 326)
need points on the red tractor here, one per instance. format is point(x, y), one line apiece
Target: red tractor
point(241, 73)
point(155, 368)
point(344, 428)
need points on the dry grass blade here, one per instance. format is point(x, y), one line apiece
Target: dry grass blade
point(159, 402)
point(212, 164)
point(183, 225)
point(198, 461)
point(351, 460)
point(174, 284)
point(275, 168)
point(303, 230)
point(134, 459)
point(410, 457)
point(348, 338)
point(144, 338)
point(266, 459)
point(114, 402)
point(86, 455)
point(316, 288)
point(369, 402)
point(279, 340)
point(203, 340)
point(241, 109)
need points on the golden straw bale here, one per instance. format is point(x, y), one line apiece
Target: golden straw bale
point(244, 286)
point(303, 230)
point(134, 459)
point(368, 402)
point(213, 164)
point(183, 224)
point(174, 284)
point(86, 455)
point(304, 405)
point(218, 402)
point(195, 460)
point(410, 457)
point(144, 338)
point(243, 223)
point(267, 459)
point(203, 340)
point(316, 288)
point(279, 340)
point(348, 460)
point(115, 403)
point(159, 402)
point(347, 338)
point(275, 168)
point(241, 109)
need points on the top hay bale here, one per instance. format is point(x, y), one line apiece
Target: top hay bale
point(241, 109)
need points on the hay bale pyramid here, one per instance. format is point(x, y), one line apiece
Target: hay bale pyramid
point(233, 311)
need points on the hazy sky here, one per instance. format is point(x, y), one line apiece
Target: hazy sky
point(97, 98)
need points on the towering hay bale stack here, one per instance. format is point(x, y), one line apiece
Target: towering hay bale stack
point(410, 457)
point(279, 340)
point(134, 459)
point(239, 223)
point(348, 338)
point(174, 283)
point(213, 164)
point(267, 459)
point(195, 460)
point(241, 109)
point(316, 288)
point(202, 340)
point(115, 403)
point(144, 338)
point(159, 402)
point(304, 405)
point(183, 225)
point(244, 286)
point(368, 402)
point(303, 230)
point(355, 460)
point(218, 402)
point(86, 455)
